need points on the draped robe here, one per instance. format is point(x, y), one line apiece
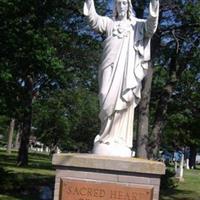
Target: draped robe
point(124, 63)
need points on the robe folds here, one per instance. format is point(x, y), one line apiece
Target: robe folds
point(124, 63)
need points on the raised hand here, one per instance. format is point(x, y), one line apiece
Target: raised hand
point(154, 3)
point(88, 2)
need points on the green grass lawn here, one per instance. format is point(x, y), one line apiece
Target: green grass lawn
point(189, 189)
point(24, 183)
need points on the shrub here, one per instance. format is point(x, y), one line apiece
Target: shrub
point(168, 181)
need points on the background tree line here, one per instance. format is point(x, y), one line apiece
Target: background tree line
point(48, 76)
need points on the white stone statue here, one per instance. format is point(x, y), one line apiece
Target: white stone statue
point(124, 63)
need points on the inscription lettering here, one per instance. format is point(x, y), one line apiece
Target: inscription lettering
point(121, 195)
point(85, 190)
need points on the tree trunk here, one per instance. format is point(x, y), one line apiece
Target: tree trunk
point(17, 139)
point(192, 158)
point(22, 159)
point(10, 135)
point(143, 118)
point(160, 119)
point(161, 110)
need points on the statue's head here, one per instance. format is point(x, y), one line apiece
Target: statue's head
point(122, 8)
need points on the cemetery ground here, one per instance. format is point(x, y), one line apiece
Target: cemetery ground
point(25, 183)
point(18, 183)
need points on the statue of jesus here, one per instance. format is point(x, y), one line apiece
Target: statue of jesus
point(124, 63)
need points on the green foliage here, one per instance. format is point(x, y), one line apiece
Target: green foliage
point(183, 119)
point(50, 41)
point(50, 120)
point(192, 12)
point(6, 180)
point(4, 122)
point(49, 44)
point(25, 51)
point(83, 115)
point(168, 181)
point(68, 119)
point(189, 189)
point(177, 59)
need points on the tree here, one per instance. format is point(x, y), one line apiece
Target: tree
point(142, 133)
point(177, 50)
point(4, 123)
point(42, 46)
point(10, 135)
point(183, 120)
point(27, 54)
point(67, 119)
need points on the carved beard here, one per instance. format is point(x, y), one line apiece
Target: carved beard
point(122, 14)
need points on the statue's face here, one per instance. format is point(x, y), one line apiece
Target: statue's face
point(122, 8)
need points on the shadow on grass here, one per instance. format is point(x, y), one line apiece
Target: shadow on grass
point(25, 183)
point(176, 194)
point(36, 160)
point(28, 187)
point(197, 167)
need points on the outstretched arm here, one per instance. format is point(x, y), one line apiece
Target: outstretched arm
point(97, 22)
point(152, 21)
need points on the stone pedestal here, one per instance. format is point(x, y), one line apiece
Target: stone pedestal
point(94, 177)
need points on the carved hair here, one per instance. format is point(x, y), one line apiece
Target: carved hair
point(130, 12)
